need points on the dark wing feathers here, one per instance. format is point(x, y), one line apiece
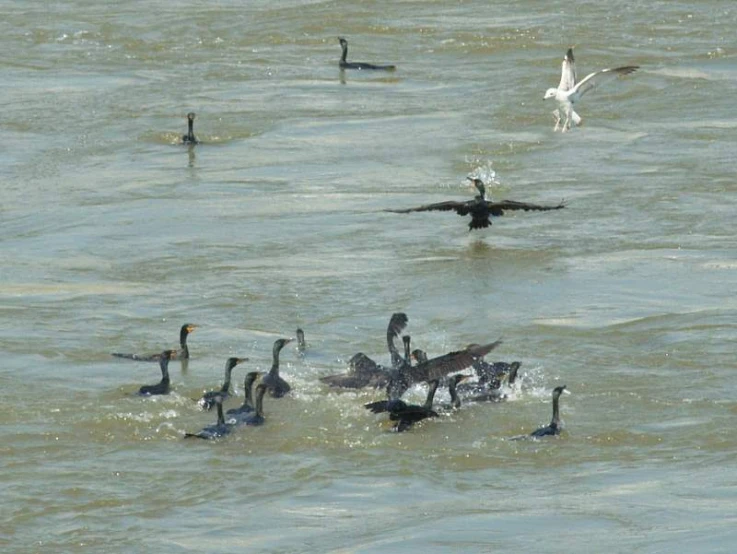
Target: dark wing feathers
point(497, 208)
point(461, 208)
point(452, 362)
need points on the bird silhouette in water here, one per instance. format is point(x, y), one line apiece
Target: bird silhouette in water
point(343, 64)
point(480, 209)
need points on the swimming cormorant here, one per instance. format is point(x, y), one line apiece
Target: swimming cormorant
point(479, 208)
point(363, 372)
point(569, 91)
point(277, 386)
point(218, 429)
point(189, 138)
point(247, 406)
point(208, 399)
point(358, 65)
point(554, 427)
point(162, 387)
point(181, 354)
point(256, 417)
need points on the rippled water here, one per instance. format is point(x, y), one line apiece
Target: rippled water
point(113, 235)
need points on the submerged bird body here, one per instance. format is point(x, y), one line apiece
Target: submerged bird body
point(480, 209)
point(207, 401)
point(569, 92)
point(181, 354)
point(247, 406)
point(218, 429)
point(343, 64)
point(363, 372)
point(163, 386)
point(275, 384)
point(189, 138)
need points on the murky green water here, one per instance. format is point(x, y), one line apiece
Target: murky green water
point(113, 236)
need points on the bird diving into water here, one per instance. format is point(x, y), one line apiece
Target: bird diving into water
point(359, 65)
point(480, 209)
point(570, 92)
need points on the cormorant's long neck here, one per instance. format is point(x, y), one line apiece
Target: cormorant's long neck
point(183, 335)
point(261, 390)
point(555, 422)
point(407, 354)
point(164, 364)
point(431, 393)
point(248, 390)
point(396, 358)
point(190, 129)
point(454, 400)
point(344, 46)
point(226, 381)
point(221, 417)
point(275, 363)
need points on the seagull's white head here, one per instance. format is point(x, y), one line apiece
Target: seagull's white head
point(550, 93)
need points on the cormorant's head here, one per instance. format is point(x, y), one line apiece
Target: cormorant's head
point(343, 42)
point(550, 93)
point(406, 339)
point(479, 184)
point(190, 116)
point(187, 328)
point(419, 356)
point(557, 391)
point(251, 377)
point(281, 343)
point(232, 362)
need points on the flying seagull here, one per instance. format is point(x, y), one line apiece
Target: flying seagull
point(569, 92)
point(479, 208)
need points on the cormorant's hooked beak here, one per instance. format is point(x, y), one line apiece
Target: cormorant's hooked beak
point(191, 328)
point(241, 360)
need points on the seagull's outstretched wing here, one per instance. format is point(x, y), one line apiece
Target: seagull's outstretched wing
point(497, 208)
point(461, 208)
point(567, 72)
point(598, 78)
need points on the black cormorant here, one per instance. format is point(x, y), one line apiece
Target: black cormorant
point(479, 208)
point(358, 65)
point(277, 386)
point(181, 354)
point(397, 323)
point(256, 417)
point(216, 430)
point(189, 138)
point(247, 406)
point(208, 399)
point(162, 387)
point(554, 427)
point(363, 372)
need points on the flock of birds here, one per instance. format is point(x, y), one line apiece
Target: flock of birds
point(413, 367)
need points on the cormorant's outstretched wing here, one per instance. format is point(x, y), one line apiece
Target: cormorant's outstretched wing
point(567, 72)
point(461, 208)
point(598, 78)
point(497, 208)
point(452, 362)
